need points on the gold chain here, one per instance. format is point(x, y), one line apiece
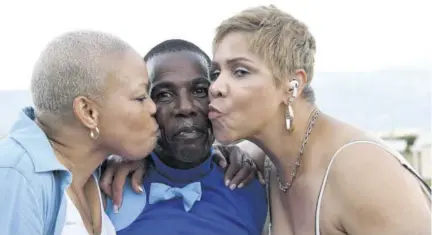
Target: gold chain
point(285, 186)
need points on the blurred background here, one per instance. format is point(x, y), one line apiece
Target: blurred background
point(373, 62)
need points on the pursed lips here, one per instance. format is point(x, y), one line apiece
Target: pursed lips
point(214, 112)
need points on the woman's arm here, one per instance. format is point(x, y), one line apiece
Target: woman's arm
point(237, 173)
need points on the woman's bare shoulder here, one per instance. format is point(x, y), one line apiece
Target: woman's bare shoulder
point(373, 186)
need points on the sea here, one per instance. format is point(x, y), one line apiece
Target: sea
point(378, 101)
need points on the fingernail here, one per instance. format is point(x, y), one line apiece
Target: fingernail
point(224, 164)
point(116, 209)
point(232, 187)
point(227, 181)
point(241, 185)
point(140, 189)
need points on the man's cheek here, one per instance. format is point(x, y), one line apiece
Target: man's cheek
point(203, 104)
point(159, 118)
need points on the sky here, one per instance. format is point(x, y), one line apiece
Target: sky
point(351, 35)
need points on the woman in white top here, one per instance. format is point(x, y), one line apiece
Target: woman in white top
point(74, 224)
point(90, 91)
point(110, 113)
point(263, 67)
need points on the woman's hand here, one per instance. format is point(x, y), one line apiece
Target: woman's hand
point(114, 177)
point(241, 168)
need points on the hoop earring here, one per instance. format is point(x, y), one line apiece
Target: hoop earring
point(94, 133)
point(289, 116)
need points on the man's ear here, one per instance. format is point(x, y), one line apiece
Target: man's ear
point(86, 112)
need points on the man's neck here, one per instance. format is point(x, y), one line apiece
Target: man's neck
point(174, 162)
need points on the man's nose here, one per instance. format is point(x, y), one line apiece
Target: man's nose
point(185, 107)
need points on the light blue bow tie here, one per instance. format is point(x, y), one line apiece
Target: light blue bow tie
point(162, 192)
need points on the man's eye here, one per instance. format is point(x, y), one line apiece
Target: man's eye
point(214, 74)
point(163, 96)
point(200, 92)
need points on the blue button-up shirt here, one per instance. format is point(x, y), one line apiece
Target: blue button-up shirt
point(32, 181)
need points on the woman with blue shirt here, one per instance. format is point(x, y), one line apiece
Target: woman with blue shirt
point(90, 95)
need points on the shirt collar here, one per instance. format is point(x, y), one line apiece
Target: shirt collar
point(33, 140)
point(182, 175)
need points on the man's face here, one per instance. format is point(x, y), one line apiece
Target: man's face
point(180, 82)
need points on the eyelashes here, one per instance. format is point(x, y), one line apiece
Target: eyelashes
point(238, 72)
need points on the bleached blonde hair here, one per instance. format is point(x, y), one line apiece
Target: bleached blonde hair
point(71, 65)
point(284, 43)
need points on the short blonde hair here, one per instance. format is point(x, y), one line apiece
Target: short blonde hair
point(72, 65)
point(284, 43)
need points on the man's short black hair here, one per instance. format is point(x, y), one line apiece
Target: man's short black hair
point(176, 45)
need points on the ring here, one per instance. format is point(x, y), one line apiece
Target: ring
point(248, 161)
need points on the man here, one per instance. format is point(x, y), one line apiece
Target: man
point(184, 191)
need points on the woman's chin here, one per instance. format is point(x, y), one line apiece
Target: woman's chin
point(140, 152)
point(224, 138)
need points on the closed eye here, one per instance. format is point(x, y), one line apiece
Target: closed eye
point(142, 98)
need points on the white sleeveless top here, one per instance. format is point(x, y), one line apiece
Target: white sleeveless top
point(396, 154)
point(74, 224)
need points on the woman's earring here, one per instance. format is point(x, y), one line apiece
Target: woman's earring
point(94, 133)
point(289, 117)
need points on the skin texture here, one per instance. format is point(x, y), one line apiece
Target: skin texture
point(128, 105)
point(246, 78)
point(180, 91)
point(125, 98)
point(368, 191)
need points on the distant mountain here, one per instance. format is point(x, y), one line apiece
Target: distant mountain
point(378, 101)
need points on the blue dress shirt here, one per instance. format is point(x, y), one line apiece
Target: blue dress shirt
point(32, 181)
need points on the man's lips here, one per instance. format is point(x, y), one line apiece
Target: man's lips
point(214, 112)
point(186, 133)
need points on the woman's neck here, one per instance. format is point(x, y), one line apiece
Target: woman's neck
point(76, 152)
point(82, 163)
point(283, 146)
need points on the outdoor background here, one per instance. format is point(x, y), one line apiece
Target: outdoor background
point(373, 57)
